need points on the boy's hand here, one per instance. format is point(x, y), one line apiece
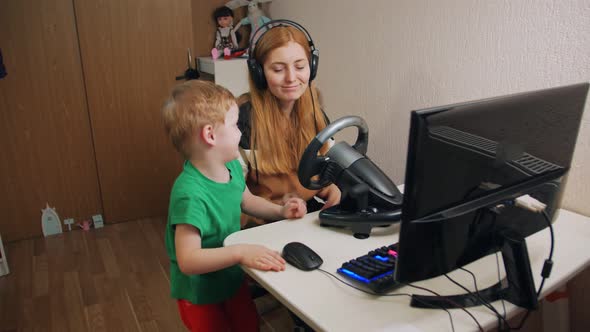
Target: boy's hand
point(294, 208)
point(261, 258)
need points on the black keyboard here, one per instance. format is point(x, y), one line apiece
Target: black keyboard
point(373, 270)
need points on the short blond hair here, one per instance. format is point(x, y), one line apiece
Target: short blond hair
point(191, 106)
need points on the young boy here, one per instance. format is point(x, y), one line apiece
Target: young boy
point(201, 120)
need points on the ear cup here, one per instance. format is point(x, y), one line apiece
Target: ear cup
point(257, 73)
point(313, 64)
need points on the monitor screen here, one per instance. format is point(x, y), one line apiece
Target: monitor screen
point(467, 159)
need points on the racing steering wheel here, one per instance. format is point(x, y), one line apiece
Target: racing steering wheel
point(369, 198)
point(312, 164)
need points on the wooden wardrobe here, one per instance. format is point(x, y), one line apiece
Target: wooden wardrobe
point(80, 124)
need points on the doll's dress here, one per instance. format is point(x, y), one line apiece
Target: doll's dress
point(224, 39)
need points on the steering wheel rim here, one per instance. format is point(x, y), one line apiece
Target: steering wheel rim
point(311, 164)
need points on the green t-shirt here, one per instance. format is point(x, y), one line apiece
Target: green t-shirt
point(213, 208)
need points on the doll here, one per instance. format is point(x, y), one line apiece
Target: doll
point(255, 16)
point(225, 36)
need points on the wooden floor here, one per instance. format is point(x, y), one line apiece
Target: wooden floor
point(110, 279)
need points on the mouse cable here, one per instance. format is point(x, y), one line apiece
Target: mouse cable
point(396, 294)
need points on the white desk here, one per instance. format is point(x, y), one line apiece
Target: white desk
point(231, 74)
point(327, 305)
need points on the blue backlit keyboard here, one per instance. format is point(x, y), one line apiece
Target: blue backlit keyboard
point(373, 270)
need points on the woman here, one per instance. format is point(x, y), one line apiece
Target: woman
point(279, 118)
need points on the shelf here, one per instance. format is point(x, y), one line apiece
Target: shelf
point(232, 73)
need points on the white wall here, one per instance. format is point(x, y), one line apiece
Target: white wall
point(380, 59)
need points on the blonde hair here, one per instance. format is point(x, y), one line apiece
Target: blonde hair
point(191, 106)
point(276, 143)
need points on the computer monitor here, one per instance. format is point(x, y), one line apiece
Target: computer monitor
point(466, 164)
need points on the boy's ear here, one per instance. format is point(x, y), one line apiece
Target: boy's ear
point(207, 134)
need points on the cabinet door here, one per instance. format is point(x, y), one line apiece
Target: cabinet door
point(46, 151)
point(132, 50)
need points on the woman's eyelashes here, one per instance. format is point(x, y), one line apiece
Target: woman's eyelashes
point(280, 69)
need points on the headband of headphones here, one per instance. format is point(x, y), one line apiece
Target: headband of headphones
point(263, 29)
point(256, 70)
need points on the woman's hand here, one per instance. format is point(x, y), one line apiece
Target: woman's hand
point(331, 195)
point(260, 258)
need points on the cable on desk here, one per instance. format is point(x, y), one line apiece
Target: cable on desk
point(546, 267)
point(455, 304)
point(396, 294)
point(502, 322)
point(544, 273)
point(501, 319)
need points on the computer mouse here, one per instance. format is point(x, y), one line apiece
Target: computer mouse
point(301, 256)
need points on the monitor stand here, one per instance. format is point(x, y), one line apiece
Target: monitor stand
point(517, 288)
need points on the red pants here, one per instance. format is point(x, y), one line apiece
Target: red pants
point(236, 314)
